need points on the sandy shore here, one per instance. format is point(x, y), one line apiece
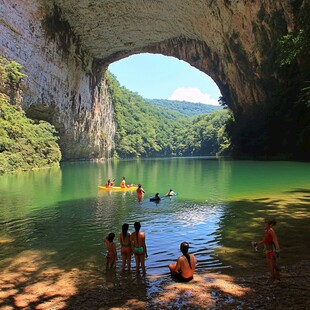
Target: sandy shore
point(25, 285)
point(206, 291)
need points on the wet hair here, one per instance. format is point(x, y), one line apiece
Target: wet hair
point(110, 237)
point(184, 246)
point(137, 226)
point(125, 229)
point(270, 222)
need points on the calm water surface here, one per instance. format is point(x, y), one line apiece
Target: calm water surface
point(61, 211)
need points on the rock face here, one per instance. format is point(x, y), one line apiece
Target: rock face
point(66, 45)
point(64, 84)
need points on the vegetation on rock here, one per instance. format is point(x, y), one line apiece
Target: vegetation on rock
point(279, 129)
point(24, 144)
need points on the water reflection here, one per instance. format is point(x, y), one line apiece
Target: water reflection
point(218, 210)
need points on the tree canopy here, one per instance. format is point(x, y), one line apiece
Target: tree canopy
point(145, 130)
point(184, 107)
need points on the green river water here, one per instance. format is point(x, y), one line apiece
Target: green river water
point(218, 208)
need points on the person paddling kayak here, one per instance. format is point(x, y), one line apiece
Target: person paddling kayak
point(123, 183)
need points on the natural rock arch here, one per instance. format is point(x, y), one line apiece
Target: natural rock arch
point(73, 42)
point(231, 41)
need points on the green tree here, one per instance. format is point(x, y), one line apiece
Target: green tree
point(24, 144)
point(147, 130)
point(11, 78)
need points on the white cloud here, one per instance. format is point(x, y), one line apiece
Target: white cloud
point(192, 95)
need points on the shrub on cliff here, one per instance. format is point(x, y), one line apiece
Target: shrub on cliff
point(24, 144)
point(11, 79)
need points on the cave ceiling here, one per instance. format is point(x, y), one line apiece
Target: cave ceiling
point(228, 40)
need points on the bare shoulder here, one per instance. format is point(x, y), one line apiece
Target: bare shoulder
point(271, 231)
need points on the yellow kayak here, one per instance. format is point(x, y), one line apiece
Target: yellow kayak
point(119, 189)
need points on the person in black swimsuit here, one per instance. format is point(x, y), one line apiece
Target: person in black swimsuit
point(185, 266)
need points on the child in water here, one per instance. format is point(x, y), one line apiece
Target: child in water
point(111, 255)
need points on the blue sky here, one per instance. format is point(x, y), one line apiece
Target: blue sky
point(156, 76)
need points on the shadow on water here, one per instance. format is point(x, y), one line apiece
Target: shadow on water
point(300, 190)
point(243, 221)
point(46, 275)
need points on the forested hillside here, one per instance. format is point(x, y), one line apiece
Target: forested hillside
point(184, 107)
point(145, 131)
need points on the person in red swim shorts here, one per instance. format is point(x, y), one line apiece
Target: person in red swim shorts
point(272, 249)
point(126, 252)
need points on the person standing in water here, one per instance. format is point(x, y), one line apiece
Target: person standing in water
point(126, 252)
point(111, 255)
point(272, 248)
point(140, 192)
point(170, 193)
point(138, 246)
point(185, 266)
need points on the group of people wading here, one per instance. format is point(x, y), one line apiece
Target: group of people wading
point(183, 270)
point(135, 244)
point(130, 244)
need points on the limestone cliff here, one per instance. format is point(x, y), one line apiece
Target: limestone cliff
point(64, 84)
point(65, 46)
